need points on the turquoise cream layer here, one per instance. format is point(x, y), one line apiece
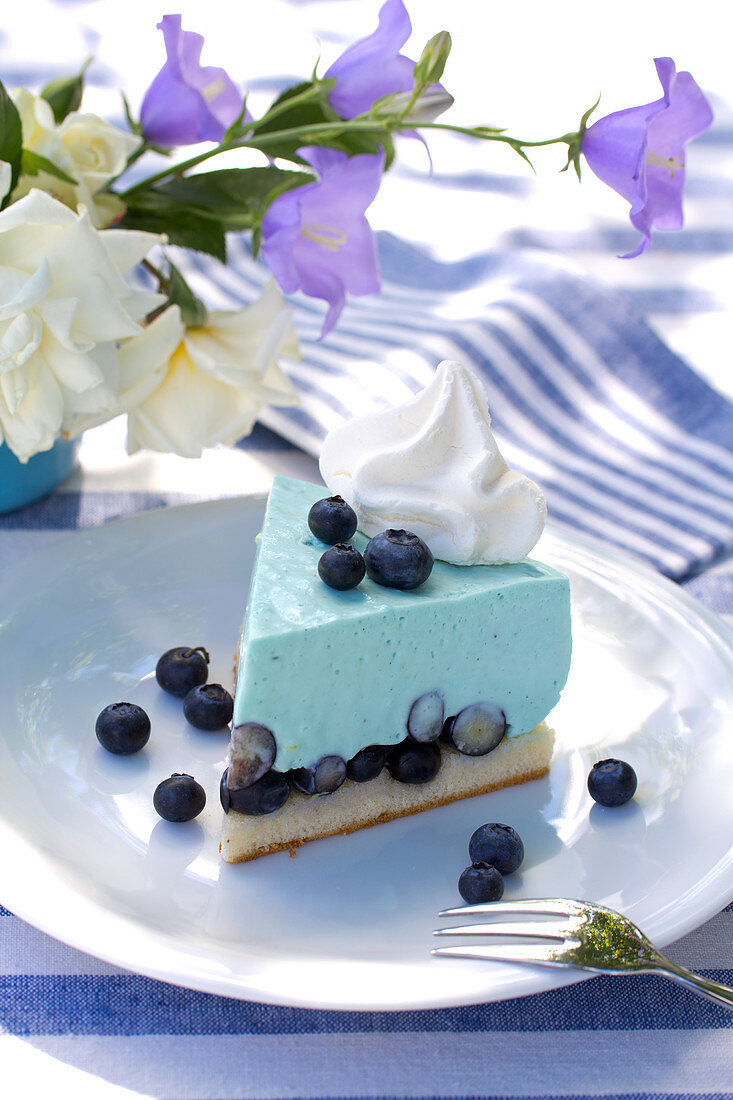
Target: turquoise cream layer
point(332, 672)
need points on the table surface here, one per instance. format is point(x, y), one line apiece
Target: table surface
point(69, 1024)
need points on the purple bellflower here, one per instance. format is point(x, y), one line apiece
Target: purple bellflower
point(187, 103)
point(640, 152)
point(316, 237)
point(374, 67)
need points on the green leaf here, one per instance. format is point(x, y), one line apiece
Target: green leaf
point(182, 227)
point(11, 138)
point(193, 310)
point(300, 105)
point(575, 141)
point(361, 141)
point(135, 127)
point(238, 128)
point(64, 94)
point(517, 147)
point(235, 197)
point(32, 163)
point(256, 240)
point(312, 109)
point(389, 151)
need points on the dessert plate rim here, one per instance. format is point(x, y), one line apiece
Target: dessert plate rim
point(36, 886)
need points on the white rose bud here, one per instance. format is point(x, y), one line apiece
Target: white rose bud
point(99, 151)
point(85, 147)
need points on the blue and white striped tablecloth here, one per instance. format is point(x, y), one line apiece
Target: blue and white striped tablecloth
point(606, 382)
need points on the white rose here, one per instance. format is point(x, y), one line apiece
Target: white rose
point(212, 386)
point(64, 305)
point(85, 147)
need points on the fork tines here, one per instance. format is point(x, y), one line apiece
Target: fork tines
point(548, 906)
point(559, 931)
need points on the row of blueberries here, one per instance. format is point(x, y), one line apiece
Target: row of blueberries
point(394, 559)
point(124, 728)
point(252, 786)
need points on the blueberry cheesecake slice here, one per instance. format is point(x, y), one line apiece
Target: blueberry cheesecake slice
point(399, 649)
point(357, 706)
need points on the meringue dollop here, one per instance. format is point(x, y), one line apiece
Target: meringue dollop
point(432, 466)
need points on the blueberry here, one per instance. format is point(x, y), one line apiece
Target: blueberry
point(612, 782)
point(181, 669)
point(398, 559)
point(425, 720)
point(208, 707)
point(367, 764)
point(332, 520)
point(479, 883)
point(253, 751)
point(341, 567)
point(325, 778)
point(264, 797)
point(447, 727)
point(179, 798)
point(497, 844)
point(122, 728)
point(413, 762)
point(477, 729)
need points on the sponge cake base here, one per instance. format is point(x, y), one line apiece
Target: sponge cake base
point(360, 805)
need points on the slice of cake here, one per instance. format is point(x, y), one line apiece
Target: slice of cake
point(356, 707)
point(323, 675)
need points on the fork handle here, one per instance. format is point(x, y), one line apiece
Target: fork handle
point(714, 991)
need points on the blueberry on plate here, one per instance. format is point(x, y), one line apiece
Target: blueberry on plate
point(477, 729)
point(479, 883)
point(414, 762)
point(264, 797)
point(398, 559)
point(179, 798)
point(208, 707)
point(325, 778)
point(497, 844)
point(122, 728)
point(612, 782)
point(182, 668)
point(367, 764)
point(332, 520)
point(342, 567)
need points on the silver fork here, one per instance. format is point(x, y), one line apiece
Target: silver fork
point(588, 937)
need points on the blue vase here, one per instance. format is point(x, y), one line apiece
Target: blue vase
point(22, 483)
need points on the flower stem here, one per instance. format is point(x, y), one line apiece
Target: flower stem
point(493, 135)
point(163, 280)
point(324, 129)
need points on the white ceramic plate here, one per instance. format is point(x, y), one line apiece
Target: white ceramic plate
point(347, 922)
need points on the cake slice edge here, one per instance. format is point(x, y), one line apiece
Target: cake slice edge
point(354, 806)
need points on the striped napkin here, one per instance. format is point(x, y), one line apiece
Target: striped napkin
point(629, 444)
